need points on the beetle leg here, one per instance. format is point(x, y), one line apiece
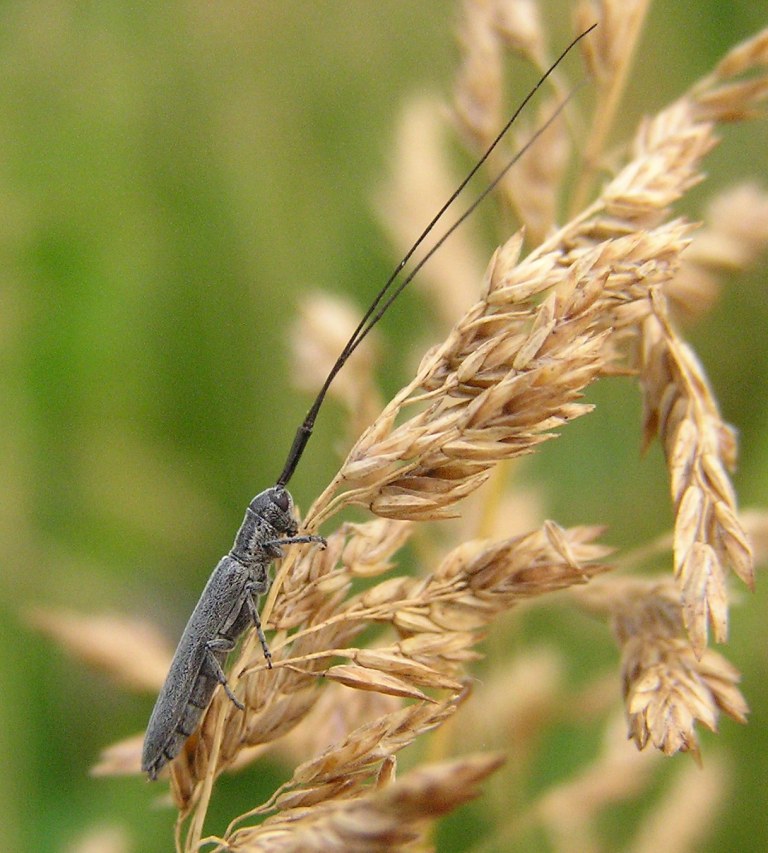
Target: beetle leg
point(253, 591)
point(222, 644)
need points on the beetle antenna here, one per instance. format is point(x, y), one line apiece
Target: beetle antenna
point(389, 292)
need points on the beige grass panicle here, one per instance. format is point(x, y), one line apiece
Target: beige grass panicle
point(560, 306)
point(389, 817)
point(668, 685)
point(511, 369)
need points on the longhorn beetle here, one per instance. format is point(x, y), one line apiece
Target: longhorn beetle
point(229, 603)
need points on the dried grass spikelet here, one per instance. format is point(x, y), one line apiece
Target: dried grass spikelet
point(478, 89)
point(515, 703)
point(324, 325)
point(122, 758)
point(678, 822)
point(337, 712)
point(668, 687)
point(738, 227)
point(131, 651)
point(510, 371)
point(606, 56)
point(609, 59)
point(487, 28)
point(356, 759)
point(755, 522)
point(392, 817)
point(721, 97)
point(533, 191)
point(685, 816)
point(700, 448)
point(518, 22)
point(735, 232)
point(101, 838)
point(420, 181)
point(568, 811)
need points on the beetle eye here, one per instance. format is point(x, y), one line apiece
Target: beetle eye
point(282, 500)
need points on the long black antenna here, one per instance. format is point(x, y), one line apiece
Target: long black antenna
point(377, 310)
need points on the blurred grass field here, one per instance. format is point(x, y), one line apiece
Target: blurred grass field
point(173, 177)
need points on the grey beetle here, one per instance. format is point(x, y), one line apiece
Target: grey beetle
point(226, 608)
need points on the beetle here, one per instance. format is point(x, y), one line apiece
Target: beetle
point(227, 606)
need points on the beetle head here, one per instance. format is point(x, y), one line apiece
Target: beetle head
point(275, 506)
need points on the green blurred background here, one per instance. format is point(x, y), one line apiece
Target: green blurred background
point(173, 176)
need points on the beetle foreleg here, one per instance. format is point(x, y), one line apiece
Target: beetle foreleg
point(274, 546)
